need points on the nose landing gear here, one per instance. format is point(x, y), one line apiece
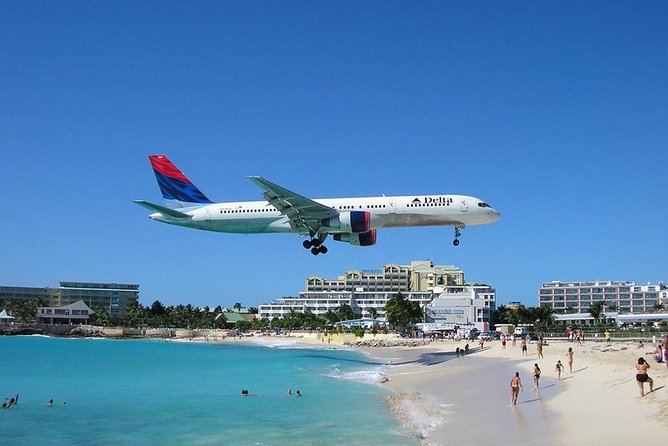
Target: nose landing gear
point(457, 235)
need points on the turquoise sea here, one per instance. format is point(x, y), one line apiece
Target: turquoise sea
point(145, 392)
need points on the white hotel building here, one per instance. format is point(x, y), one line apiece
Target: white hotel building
point(623, 297)
point(460, 307)
point(364, 290)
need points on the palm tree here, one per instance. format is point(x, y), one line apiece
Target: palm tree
point(545, 316)
point(237, 306)
point(346, 312)
point(332, 317)
point(373, 313)
point(401, 312)
point(658, 307)
point(596, 310)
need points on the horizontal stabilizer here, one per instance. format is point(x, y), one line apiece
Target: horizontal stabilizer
point(162, 209)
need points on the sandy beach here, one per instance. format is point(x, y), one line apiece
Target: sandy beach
point(448, 400)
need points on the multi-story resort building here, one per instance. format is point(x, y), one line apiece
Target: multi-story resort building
point(624, 302)
point(368, 291)
point(623, 297)
point(419, 276)
point(115, 298)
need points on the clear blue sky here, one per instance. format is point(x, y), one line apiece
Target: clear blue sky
point(556, 113)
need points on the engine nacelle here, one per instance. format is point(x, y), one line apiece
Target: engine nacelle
point(353, 221)
point(367, 238)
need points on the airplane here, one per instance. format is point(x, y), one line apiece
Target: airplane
point(349, 220)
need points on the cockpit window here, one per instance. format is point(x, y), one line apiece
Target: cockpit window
point(483, 205)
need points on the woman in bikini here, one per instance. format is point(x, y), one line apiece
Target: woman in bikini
point(559, 368)
point(569, 359)
point(536, 375)
point(515, 386)
point(642, 377)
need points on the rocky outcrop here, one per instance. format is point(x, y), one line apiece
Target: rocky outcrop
point(388, 343)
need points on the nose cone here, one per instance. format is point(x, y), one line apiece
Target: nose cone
point(494, 215)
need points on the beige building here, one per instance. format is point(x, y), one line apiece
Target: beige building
point(419, 276)
point(367, 291)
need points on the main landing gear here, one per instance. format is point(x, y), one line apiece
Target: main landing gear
point(457, 235)
point(315, 245)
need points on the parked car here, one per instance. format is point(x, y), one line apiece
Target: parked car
point(533, 337)
point(484, 335)
point(496, 335)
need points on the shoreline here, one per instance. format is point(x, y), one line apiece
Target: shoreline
point(441, 399)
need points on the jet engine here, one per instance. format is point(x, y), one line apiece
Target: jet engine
point(367, 238)
point(353, 221)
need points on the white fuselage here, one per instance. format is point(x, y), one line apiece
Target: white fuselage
point(252, 217)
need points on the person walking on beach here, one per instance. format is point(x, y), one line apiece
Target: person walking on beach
point(642, 377)
point(539, 347)
point(503, 342)
point(664, 346)
point(524, 347)
point(515, 387)
point(559, 368)
point(512, 338)
point(536, 376)
point(569, 359)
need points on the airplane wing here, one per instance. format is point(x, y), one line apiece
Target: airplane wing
point(302, 211)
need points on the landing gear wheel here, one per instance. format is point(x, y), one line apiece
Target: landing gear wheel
point(457, 235)
point(323, 249)
point(316, 242)
point(307, 244)
point(315, 251)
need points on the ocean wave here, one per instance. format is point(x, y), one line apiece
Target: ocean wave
point(419, 415)
point(374, 376)
point(276, 343)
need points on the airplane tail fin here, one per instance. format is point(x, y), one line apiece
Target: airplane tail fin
point(177, 190)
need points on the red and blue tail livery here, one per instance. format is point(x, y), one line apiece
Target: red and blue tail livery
point(174, 185)
point(352, 220)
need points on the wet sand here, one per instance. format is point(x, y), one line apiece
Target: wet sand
point(448, 400)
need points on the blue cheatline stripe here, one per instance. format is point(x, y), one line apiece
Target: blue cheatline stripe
point(175, 189)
